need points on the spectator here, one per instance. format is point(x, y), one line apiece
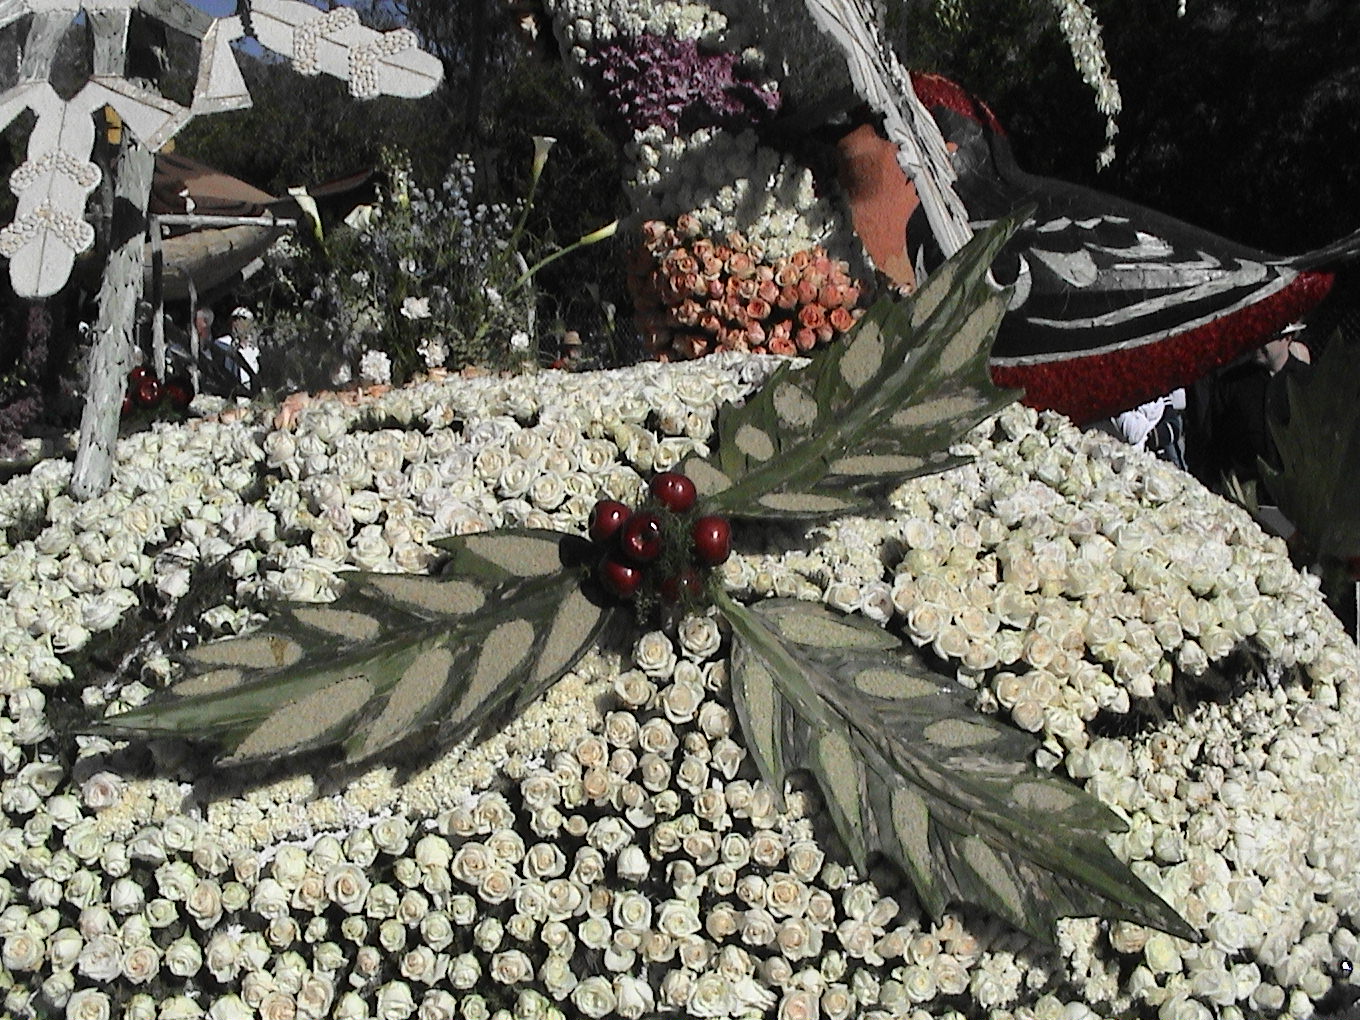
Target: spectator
point(223, 370)
point(242, 334)
point(1156, 426)
point(571, 354)
point(1236, 406)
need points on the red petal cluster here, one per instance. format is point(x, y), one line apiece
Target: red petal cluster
point(146, 392)
point(695, 297)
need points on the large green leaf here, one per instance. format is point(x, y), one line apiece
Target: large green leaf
point(909, 770)
point(884, 406)
point(393, 656)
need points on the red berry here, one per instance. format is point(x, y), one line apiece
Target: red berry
point(140, 372)
point(712, 539)
point(179, 395)
point(621, 579)
point(674, 491)
point(148, 391)
point(640, 538)
point(608, 516)
point(682, 587)
point(128, 403)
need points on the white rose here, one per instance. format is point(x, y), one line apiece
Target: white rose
point(392, 834)
point(101, 959)
point(22, 951)
point(101, 790)
point(433, 852)
point(141, 963)
point(654, 654)
point(678, 918)
point(223, 957)
point(420, 965)
point(277, 1005)
point(497, 884)
point(438, 1005)
point(511, 967)
point(557, 976)
point(799, 1004)
point(785, 896)
point(710, 996)
point(471, 862)
point(594, 996)
point(919, 983)
point(767, 848)
point(464, 971)
point(183, 957)
point(347, 887)
point(351, 1006)
point(699, 637)
point(632, 864)
point(516, 477)
point(657, 737)
point(126, 896)
point(88, 1004)
point(204, 903)
point(680, 701)
point(564, 898)
point(506, 845)
point(544, 860)
point(633, 997)
point(395, 1001)
point(270, 899)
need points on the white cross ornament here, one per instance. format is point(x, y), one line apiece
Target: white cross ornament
point(54, 183)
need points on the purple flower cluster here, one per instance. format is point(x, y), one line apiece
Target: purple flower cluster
point(650, 79)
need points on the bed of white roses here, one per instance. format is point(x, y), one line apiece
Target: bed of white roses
point(611, 852)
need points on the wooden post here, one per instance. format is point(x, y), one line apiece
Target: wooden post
point(111, 357)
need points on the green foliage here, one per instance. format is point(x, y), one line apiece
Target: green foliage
point(493, 101)
point(880, 408)
point(428, 277)
point(302, 131)
point(392, 657)
point(1318, 446)
point(1245, 144)
point(908, 769)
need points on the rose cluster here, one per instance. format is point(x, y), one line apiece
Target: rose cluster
point(695, 297)
point(1039, 573)
point(665, 548)
point(147, 393)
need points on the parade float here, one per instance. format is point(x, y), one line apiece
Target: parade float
point(742, 685)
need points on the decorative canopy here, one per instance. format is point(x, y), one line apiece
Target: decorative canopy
point(55, 181)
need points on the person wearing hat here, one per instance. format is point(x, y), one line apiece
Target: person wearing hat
point(247, 348)
point(236, 354)
point(571, 352)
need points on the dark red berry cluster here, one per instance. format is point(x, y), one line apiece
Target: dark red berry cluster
point(662, 549)
point(145, 392)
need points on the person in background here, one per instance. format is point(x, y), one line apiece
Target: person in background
point(1234, 410)
point(1157, 426)
point(572, 349)
point(222, 369)
point(203, 324)
point(243, 336)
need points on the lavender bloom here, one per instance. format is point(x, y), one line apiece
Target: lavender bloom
point(650, 79)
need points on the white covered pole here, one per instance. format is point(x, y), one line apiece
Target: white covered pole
point(883, 83)
point(111, 358)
